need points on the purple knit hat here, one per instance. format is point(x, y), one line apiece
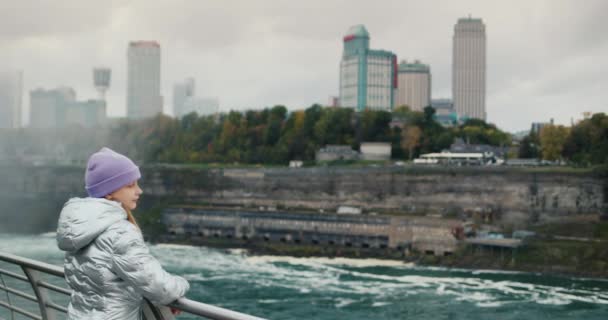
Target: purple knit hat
point(108, 171)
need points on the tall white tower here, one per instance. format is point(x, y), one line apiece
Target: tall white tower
point(143, 80)
point(469, 68)
point(101, 80)
point(11, 86)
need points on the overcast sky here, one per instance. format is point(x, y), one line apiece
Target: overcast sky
point(545, 58)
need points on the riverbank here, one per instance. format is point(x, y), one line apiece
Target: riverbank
point(570, 246)
point(546, 256)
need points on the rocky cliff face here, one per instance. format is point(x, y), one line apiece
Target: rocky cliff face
point(508, 195)
point(511, 196)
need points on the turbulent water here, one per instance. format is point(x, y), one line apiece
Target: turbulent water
point(321, 288)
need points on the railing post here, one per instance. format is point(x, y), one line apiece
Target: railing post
point(41, 294)
point(8, 297)
point(34, 269)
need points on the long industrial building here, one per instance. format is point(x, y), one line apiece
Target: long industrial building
point(433, 236)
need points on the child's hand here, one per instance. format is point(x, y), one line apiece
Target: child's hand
point(175, 312)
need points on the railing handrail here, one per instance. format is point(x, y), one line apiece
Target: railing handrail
point(33, 264)
point(183, 304)
point(210, 311)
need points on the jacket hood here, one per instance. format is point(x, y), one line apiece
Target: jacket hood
point(83, 219)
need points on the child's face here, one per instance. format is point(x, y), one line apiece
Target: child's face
point(127, 195)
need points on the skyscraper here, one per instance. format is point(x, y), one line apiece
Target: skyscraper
point(368, 78)
point(202, 106)
point(11, 83)
point(90, 113)
point(58, 108)
point(181, 92)
point(469, 68)
point(185, 102)
point(143, 79)
point(49, 108)
point(414, 88)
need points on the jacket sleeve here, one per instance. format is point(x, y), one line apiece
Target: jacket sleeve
point(133, 263)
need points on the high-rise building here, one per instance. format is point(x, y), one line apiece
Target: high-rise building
point(333, 101)
point(444, 112)
point(11, 86)
point(414, 88)
point(185, 101)
point(368, 78)
point(181, 92)
point(90, 113)
point(48, 108)
point(143, 80)
point(58, 108)
point(469, 68)
point(202, 106)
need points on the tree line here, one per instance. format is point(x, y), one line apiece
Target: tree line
point(583, 144)
point(276, 136)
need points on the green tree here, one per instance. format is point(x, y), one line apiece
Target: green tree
point(477, 131)
point(410, 139)
point(402, 112)
point(588, 141)
point(552, 141)
point(374, 125)
point(529, 146)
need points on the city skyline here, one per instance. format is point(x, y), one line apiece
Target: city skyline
point(545, 58)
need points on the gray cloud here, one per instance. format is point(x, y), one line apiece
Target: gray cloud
point(47, 18)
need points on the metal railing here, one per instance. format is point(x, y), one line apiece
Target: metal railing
point(34, 270)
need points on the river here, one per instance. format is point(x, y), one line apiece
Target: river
point(277, 287)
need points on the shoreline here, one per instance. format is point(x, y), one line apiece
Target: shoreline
point(460, 261)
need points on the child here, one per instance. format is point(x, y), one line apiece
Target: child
point(107, 264)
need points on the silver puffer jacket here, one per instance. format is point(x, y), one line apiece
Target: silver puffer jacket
point(108, 265)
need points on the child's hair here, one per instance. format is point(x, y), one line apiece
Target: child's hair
point(130, 216)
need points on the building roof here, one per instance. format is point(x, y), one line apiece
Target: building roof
point(142, 43)
point(338, 149)
point(460, 146)
point(380, 53)
point(416, 67)
point(375, 143)
point(469, 19)
point(449, 155)
point(358, 31)
point(449, 117)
